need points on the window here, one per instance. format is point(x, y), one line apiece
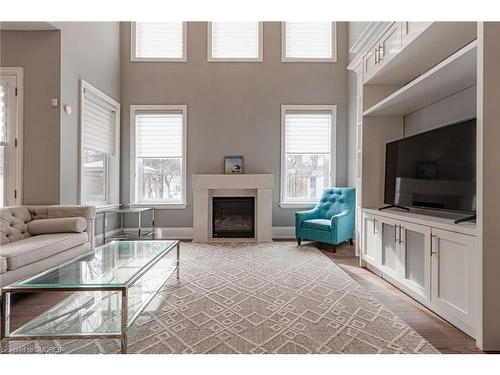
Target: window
point(309, 41)
point(308, 153)
point(99, 157)
point(158, 156)
point(11, 132)
point(235, 41)
point(158, 41)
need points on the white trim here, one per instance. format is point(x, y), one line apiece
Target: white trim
point(333, 150)
point(332, 59)
point(18, 72)
point(260, 58)
point(186, 233)
point(134, 108)
point(134, 58)
point(84, 85)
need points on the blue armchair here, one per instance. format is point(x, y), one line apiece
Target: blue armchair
point(331, 221)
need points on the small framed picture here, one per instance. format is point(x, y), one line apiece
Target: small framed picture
point(233, 164)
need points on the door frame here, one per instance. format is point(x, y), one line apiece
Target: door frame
point(18, 72)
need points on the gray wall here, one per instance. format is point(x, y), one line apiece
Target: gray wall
point(233, 108)
point(38, 52)
point(457, 107)
point(89, 51)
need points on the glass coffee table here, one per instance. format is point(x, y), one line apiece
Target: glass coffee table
point(111, 286)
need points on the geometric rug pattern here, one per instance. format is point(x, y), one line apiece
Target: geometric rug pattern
point(257, 298)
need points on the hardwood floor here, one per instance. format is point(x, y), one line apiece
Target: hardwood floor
point(444, 336)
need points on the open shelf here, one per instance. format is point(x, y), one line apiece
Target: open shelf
point(456, 73)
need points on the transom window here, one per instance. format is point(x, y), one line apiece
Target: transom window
point(158, 41)
point(235, 41)
point(159, 158)
point(308, 136)
point(309, 41)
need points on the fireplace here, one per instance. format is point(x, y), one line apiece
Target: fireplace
point(233, 217)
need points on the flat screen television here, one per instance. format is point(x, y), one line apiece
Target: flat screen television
point(434, 170)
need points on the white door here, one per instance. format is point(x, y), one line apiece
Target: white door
point(371, 240)
point(10, 137)
point(390, 255)
point(415, 247)
point(453, 277)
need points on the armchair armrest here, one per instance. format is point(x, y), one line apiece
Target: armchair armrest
point(342, 226)
point(300, 216)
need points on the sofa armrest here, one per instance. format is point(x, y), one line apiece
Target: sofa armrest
point(59, 211)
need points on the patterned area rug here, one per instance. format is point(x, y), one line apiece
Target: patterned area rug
point(258, 298)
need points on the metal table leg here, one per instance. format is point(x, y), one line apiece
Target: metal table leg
point(178, 258)
point(124, 322)
point(140, 225)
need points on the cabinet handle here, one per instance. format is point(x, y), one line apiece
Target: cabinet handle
point(401, 230)
point(396, 233)
point(380, 53)
point(375, 52)
point(434, 248)
point(374, 223)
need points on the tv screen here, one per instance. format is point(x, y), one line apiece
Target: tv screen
point(435, 169)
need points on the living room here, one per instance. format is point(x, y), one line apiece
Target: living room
point(249, 187)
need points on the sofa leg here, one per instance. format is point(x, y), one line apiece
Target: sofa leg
point(351, 242)
point(334, 248)
point(299, 240)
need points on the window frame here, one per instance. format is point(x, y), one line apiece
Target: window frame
point(333, 150)
point(134, 110)
point(260, 58)
point(18, 73)
point(135, 58)
point(84, 85)
point(285, 58)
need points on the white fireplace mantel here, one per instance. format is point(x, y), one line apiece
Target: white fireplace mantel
point(206, 186)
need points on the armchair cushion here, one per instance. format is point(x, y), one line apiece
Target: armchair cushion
point(59, 225)
point(319, 224)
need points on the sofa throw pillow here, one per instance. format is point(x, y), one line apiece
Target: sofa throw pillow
point(60, 225)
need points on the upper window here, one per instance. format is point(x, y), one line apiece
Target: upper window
point(307, 152)
point(235, 41)
point(158, 41)
point(159, 155)
point(309, 41)
point(100, 159)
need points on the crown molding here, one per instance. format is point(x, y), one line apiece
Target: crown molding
point(368, 37)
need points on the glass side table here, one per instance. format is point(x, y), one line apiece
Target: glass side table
point(130, 234)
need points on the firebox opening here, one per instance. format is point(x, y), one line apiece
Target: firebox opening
point(233, 217)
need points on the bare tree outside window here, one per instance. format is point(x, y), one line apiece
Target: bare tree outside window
point(161, 179)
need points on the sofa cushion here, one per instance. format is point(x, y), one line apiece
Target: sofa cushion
point(36, 248)
point(318, 224)
point(60, 225)
point(13, 224)
point(3, 265)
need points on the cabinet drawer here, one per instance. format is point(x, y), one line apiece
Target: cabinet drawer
point(370, 63)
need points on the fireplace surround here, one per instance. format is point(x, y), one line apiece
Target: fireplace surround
point(206, 187)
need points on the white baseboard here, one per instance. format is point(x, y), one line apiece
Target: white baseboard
point(186, 233)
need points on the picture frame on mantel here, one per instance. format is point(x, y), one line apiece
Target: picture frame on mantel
point(233, 164)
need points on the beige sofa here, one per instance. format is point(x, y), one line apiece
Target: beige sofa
point(36, 238)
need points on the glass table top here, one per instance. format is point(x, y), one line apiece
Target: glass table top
point(113, 264)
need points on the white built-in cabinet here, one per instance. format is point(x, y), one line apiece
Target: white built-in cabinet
point(433, 265)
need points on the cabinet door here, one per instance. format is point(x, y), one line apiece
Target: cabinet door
point(370, 63)
point(390, 257)
point(453, 277)
point(371, 239)
point(415, 247)
point(412, 29)
point(390, 43)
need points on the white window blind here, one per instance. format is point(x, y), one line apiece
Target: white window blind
point(308, 133)
point(159, 135)
point(159, 40)
point(309, 40)
point(99, 123)
point(235, 40)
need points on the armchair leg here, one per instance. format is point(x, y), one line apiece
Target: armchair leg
point(351, 242)
point(299, 240)
point(334, 248)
